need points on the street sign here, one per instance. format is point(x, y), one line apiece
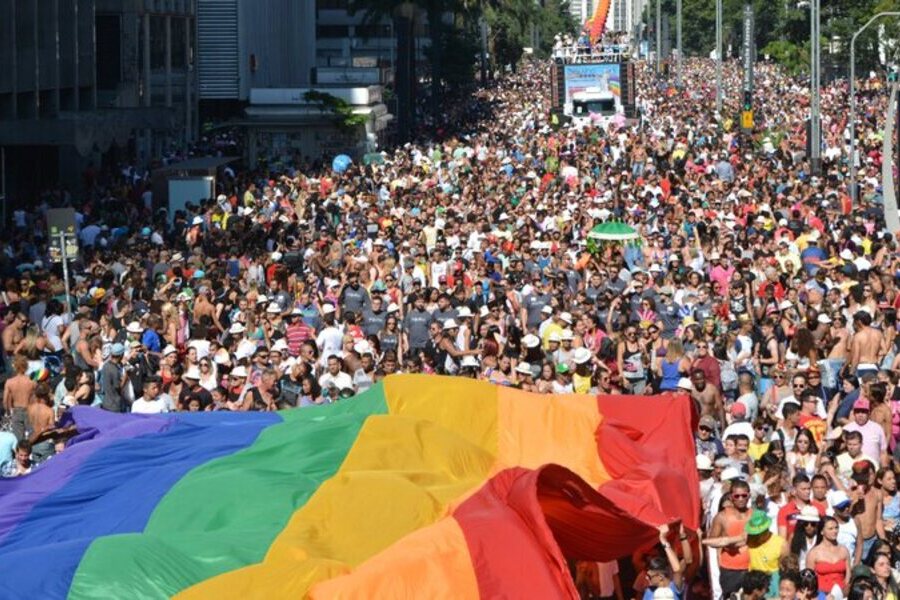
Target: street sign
point(747, 119)
point(61, 229)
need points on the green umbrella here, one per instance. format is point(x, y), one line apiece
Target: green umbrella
point(613, 231)
point(373, 158)
point(459, 152)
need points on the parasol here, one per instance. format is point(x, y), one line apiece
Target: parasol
point(613, 231)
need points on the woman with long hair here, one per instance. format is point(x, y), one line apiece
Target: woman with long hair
point(830, 560)
point(886, 483)
point(802, 459)
point(879, 562)
point(672, 367)
point(807, 534)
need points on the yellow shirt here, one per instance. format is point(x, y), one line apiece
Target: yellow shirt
point(581, 383)
point(756, 450)
point(550, 328)
point(765, 556)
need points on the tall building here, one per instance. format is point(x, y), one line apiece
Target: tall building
point(89, 82)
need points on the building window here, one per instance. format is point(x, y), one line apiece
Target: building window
point(332, 4)
point(109, 51)
point(377, 30)
point(332, 31)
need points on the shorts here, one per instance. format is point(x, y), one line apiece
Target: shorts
point(867, 545)
point(731, 581)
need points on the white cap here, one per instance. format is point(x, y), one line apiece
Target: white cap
point(531, 341)
point(239, 371)
point(685, 384)
point(237, 328)
point(450, 324)
point(363, 347)
point(703, 463)
point(846, 254)
point(197, 221)
point(524, 368)
point(328, 309)
point(566, 317)
point(824, 319)
point(581, 355)
point(469, 361)
point(731, 473)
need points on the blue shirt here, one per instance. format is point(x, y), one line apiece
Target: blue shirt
point(648, 593)
point(151, 341)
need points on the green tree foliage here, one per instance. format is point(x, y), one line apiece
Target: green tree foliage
point(782, 29)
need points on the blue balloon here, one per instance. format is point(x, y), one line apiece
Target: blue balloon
point(341, 163)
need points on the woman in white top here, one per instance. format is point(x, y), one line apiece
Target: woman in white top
point(208, 374)
point(803, 458)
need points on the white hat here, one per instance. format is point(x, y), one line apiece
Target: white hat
point(273, 309)
point(450, 324)
point(731, 473)
point(280, 346)
point(581, 355)
point(567, 335)
point(663, 593)
point(554, 337)
point(824, 319)
point(524, 368)
point(239, 371)
point(463, 312)
point(566, 317)
point(197, 221)
point(192, 373)
point(237, 328)
point(484, 311)
point(363, 347)
point(169, 349)
point(685, 384)
point(547, 309)
point(276, 256)
point(262, 299)
point(177, 257)
point(703, 463)
point(846, 254)
point(469, 361)
point(785, 305)
point(328, 309)
point(809, 514)
point(134, 327)
point(221, 357)
point(531, 341)
point(392, 307)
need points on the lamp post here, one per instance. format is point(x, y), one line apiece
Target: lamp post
point(658, 37)
point(719, 57)
point(678, 41)
point(815, 135)
point(853, 190)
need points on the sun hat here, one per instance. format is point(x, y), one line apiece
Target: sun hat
point(685, 384)
point(134, 327)
point(450, 324)
point(554, 337)
point(758, 523)
point(170, 349)
point(192, 373)
point(237, 328)
point(663, 593)
point(703, 463)
point(523, 368)
point(730, 473)
point(531, 341)
point(809, 514)
point(581, 356)
point(239, 371)
point(328, 309)
point(463, 312)
point(469, 361)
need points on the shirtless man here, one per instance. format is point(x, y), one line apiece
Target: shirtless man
point(707, 397)
point(17, 395)
point(14, 333)
point(867, 509)
point(864, 346)
point(41, 420)
point(728, 533)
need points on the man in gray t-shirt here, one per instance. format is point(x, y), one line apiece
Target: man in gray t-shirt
point(415, 324)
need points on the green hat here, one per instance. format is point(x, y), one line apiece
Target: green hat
point(759, 523)
point(562, 368)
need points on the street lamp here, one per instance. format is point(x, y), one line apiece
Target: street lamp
point(815, 123)
point(719, 57)
point(678, 41)
point(853, 190)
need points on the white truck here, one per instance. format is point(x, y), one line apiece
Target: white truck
point(594, 106)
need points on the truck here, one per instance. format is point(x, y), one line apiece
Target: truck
point(594, 106)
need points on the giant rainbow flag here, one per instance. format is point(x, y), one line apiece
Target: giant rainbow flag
point(422, 487)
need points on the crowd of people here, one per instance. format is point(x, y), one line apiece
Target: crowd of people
point(757, 288)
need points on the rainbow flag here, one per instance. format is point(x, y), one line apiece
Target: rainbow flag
point(423, 486)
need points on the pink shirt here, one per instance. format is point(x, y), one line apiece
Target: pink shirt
point(873, 441)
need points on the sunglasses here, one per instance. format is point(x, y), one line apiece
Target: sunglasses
point(740, 495)
point(705, 428)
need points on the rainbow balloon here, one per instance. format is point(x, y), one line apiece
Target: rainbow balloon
point(424, 486)
point(597, 23)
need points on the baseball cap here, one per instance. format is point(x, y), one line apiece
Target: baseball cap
point(117, 349)
point(738, 409)
point(707, 421)
point(840, 500)
point(861, 404)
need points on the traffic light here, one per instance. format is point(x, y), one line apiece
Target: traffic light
point(748, 100)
